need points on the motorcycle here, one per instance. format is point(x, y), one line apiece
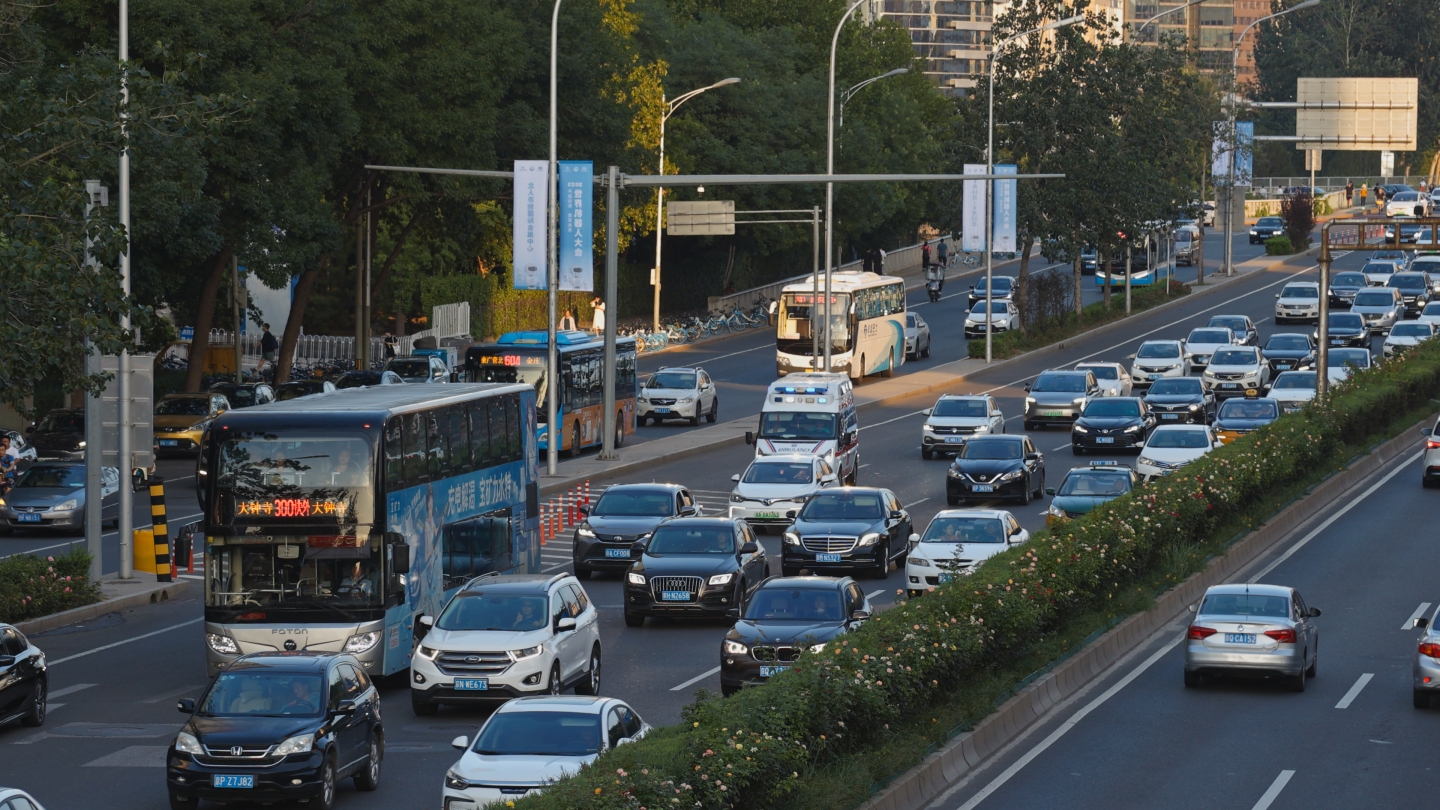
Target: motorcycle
point(932, 288)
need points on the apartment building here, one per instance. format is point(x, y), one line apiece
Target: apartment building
point(1210, 28)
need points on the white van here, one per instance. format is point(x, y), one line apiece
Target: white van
point(811, 413)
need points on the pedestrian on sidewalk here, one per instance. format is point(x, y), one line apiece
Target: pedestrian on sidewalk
point(880, 261)
point(567, 321)
point(269, 346)
point(942, 252)
point(1349, 194)
point(598, 321)
point(1364, 194)
point(867, 261)
point(925, 255)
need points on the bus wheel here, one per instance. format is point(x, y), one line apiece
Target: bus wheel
point(894, 361)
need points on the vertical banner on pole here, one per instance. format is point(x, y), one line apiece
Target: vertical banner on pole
point(972, 237)
point(532, 186)
point(1245, 145)
point(1005, 213)
point(1220, 152)
point(577, 241)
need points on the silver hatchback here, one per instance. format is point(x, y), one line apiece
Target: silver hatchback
point(1252, 630)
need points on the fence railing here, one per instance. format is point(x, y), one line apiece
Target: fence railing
point(447, 320)
point(1274, 185)
point(309, 349)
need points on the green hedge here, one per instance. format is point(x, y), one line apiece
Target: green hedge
point(1279, 246)
point(1054, 330)
point(497, 308)
point(32, 587)
point(750, 750)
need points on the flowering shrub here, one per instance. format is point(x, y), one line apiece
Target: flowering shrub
point(31, 586)
point(749, 750)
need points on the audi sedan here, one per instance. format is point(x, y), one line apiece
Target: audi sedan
point(848, 529)
point(693, 568)
point(1252, 629)
point(996, 467)
point(774, 488)
point(785, 617)
point(1113, 423)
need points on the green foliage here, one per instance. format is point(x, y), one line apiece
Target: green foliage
point(31, 586)
point(1279, 246)
point(496, 307)
point(1297, 211)
point(1054, 330)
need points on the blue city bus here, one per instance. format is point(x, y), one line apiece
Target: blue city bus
point(522, 357)
point(332, 522)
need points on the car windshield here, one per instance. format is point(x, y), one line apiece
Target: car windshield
point(1300, 291)
point(961, 407)
point(1234, 324)
point(1270, 222)
point(1379, 268)
point(1374, 298)
point(1347, 320)
point(844, 506)
point(797, 426)
point(1287, 343)
point(358, 379)
point(288, 475)
point(1059, 384)
point(1407, 281)
point(414, 368)
point(1002, 285)
point(1296, 380)
point(239, 396)
point(1188, 438)
point(1103, 372)
point(1172, 386)
point(1432, 310)
point(1089, 483)
point(991, 449)
point(692, 540)
point(1234, 357)
point(635, 503)
point(242, 692)
point(779, 472)
point(1246, 604)
point(1406, 196)
point(62, 423)
point(1221, 336)
point(1411, 330)
point(996, 307)
point(1388, 254)
point(540, 734)
point(1248, 409)
point(494, 610)
point(681, 380)
point(965, 530)
point(183, 406)
point(1348, 280)
point(796, 605)
point(1113, 407)
point(53, 477)
point(1156, 350)
point(1339, 358)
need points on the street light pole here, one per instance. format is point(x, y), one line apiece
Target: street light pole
point(553, 432)
point(830, 187)
point(124, 462)
point(670, 108)
point(848, 94)
point(990, 166)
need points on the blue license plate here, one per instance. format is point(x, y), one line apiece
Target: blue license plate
point(946, 577)
point(675, 596)
point(1169, 416)
point(622, 553)
point(983, 488)
point(766, 672)
point(828, 558)
point(472, 684)
point(1104, 439)
point(954, 439)
point(662, 410)
point(1282, 366)
point(234, 780)
point(1229, 385)
point(169, 443)
point(1239, 638)
point(28, 518)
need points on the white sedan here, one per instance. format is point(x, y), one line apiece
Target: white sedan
point(1171, 447)
point(1344, 362)
point(917, 336)
point(1156, 359)
point(1406, 335)
point(1292, 389)
point(1113, 379)
point(1204, 341)
point(1431, 314)
point(773, 488)
point(955, 542)
point(1002, 318)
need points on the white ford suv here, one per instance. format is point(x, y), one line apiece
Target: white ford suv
point(507, 636)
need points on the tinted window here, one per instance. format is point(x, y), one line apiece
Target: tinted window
point(1235, 357)
point(1095, 484)
point(1113, 407)
point(1171, 386)
point(991, 449)
point(1374, 298)
point(477, 546)
point(484, 610)
point(459, 435)
point(438, 445)
point(264, 693)
point(1245, 604)
point(692, 540)
point(1407, 281)
point(844, 506)
point(796, 604)
point(779, 472)
point(415, 471)
point(1104, 372)
point(1287, 343)
point(964, 530)
point(1248, 409)
point(53, 477)
point(521, 733)
point(1234, 324)
point(411, 369)
point(961, 407)
point(1348, 280)
point(1193, 439)
point(188, 406)
point(1411, 330)
point(1300, 292)
point(1347, 320)
point(634, 503)
point(1296, 379)
point(394, 453)
point(62, 423)
point(672, 379)
point(1340, 358)
point(1148, 350)
point(479, 434)
point(1270, 222)
point(789, 425)
point(1210, 336)
point(1060, 383)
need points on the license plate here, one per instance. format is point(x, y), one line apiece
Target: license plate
point(1052, 413)
point(472, 684)
point(946, 577)
point(234, 780)
point(621, 553)
point(1169, 416)
point(828, 558)
point(169, 443)
point(662, 410)
point(1104, 439)
point(26, 518)
point(1239, 638)
point(675, 596)
point(983, 488)
point(954, 439)
point(1229, 385)
point(1282, 366)
point(766, 672)
point(768, 515)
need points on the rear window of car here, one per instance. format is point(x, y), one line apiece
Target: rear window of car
point(1246, 604)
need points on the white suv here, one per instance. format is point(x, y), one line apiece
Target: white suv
point(678, 393)
point(1298, 301)
point(507, 636)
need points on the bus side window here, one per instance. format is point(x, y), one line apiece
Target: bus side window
point(394, 452)
point(414, 450)
point(567, 386)
point(513, 426)
point(479, 436)
point(438, 445)
point(499, 436)
point(459, 441)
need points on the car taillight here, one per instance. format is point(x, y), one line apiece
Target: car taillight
point(1432, 650)
point(1198, 632)
point(1431, 444)
point(1286, 636)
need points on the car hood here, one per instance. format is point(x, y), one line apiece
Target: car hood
point(774, 492)
point(1108, 422)
point(987, 466)
point(940, 552)
point(178, 421)
point(695, 565)
point(769, 631)
point(667, 392)
point(1346, 288)
point(218, 732)
point(1292, 394)
point(630, 527)
point(957, 421)
point(1080, 504)
point(1055, 397)
point(1203, 348)
point(43, 496)
point(979, 317)
point(1364, 310)
point(484, 640)
point(1174, 399)
point(1345, 331)
point(1246, 369)
point(1173, 454)
point(841, 528)
point(1403, 340)
point(518, 770)
point(1157, 362)
point(1286, 354)
point(1242, 424)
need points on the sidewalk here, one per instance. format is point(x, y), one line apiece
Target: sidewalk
point(118, 594)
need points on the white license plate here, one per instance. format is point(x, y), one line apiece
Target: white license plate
point(620, 553)
point(1104, 439)
point(766, 672)
point(767, 515)
point(674, 596)
point(983, 488)
point(169, 443)
point(954, 439)
point(472, 684)
point(27, 518)
point(827, 558)
point(662, 410)
point(1239, 638)
point(234, 780)
point(1169, 416)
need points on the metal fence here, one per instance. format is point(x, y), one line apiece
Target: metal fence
point(447, 320)
point(1275, 185)
point(309, 349)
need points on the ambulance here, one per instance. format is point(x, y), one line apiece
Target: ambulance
point(812, 413)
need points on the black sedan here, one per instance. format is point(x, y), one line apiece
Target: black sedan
point(1180, 400)
point(1266, 228)
point(296, 389)
point(693, 567)
point(60, 434)
point(244, 395)
point(848, 529)
point(1346, 329)
point(625, 515)
point(1112, 423)
point(1343, 287)
point(361, 379)
point(23, 685)
point(1288, 351)
point(786, 617)
point(996, 467)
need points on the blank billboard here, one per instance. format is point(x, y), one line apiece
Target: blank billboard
point(1357, 114)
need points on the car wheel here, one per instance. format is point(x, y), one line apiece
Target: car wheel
point(583, 573)
point(1029, 425)
point(1025, 496)
point(1193, 679)
point(39, 705)
point(619, 429)
point(1420, 699)
point(326, 799)
point(952, 500)
point(787, 571)
point(882, 566)
point(727, 690)
point(368, 778)
point(557, 685)
point(1297, 683)
point(1314, 663)
point(1426, 482)
point(927, 455)
point(591, 684)
point(926, 351)
point(695, 420)
point(631, 620)
point(714, 415)
point(640, 420)
point(178, 802)
point(421, 706)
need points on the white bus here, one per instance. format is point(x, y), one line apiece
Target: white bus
point(867, 325)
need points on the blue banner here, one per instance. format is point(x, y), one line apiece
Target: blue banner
point(577, 242)
point(1005, 209)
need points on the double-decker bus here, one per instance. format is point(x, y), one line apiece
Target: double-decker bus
point(867, 325)
point(522, 357)
point(333, 521)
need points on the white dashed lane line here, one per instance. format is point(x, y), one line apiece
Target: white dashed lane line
point(69, 690)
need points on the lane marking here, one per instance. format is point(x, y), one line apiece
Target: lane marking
point(1404, 461)
point(70, 690)
point(173, 692)
point(1354, 691)
point(1420, 611)
point(917, 503)
point(115, 532)
point(49, 707)
point(863, 466)
point(874, 594)
point(1274, 791)
point(698, 678)
point(126, 641)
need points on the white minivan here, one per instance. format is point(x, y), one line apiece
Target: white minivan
point(811, 413)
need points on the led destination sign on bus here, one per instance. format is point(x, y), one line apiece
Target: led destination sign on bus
point(510, 360)
point(292, 508)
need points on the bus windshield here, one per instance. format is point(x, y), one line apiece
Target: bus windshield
point(799, 310)
point(512, 367)
point(791, 426)
point(330, 577)
point(314, 477)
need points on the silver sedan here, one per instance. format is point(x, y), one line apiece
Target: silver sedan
point(1252, 630)
point(917, 336)
point(1426, 672)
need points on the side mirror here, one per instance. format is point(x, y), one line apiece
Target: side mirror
point(927, 411)
point(1129, 357)
point(732, 613)
point(750, 437)
point(1420, 623)
point(1027, 388)
point(735, 478)
point(585, 509)
point(750, 548)
point(1277, 295)
point(897, 515)
point(460, 743)
point(638, 547)
point(564, 625)
point(790, 514)
point(185, 705)
point(1314, 613)
point(1049, 490)
point(859, 614)
point(688, 511)
point(914, 538)
point(345, 707)
point(1424, 431)
point(1194, 608)
point(400, 558)
point(427, 621)
point(1032, 456)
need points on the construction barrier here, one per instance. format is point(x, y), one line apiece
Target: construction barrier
point(143, 551)
point(161, 530)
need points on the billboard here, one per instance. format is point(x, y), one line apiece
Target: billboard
point(1367, 115)
point(700, 218)
point(577, 240)
point(1220, 152)
point(532, 186)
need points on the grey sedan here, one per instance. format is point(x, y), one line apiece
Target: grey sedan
point(1252, 630)
point(51, 495)
point(917, 336)
point(1426, 672)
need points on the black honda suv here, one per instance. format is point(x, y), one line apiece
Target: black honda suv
point(278, 727)
point(698, 567)
point(848, 529)
point(785, 617)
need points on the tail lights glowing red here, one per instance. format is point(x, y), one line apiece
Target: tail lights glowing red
point(1198, 632)
point(1286, 636)
point(1432, 650)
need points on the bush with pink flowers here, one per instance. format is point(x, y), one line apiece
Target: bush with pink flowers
point(33, 586)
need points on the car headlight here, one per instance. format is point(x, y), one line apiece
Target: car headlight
point(953, 472)
point(2, 503)
point(635, 579)
point(585, 531)
point(817, 648)
point(1254, 233)
point(454, 782)
point(869, 538)
point(80, 445)
point(720, 579)
point(1055, 511)
point(1010, 476)
point(927, 427)
point(528, 652)
point(686, 400)
point(1194, 407)
point(736, 497)
point(66, 506)
point(186, 743)
point(1133, 429)
point(362, 642)
point(735, 648)
point(299, 744)
point(642, 400)
point(1078, 401)
point(920, 562)
point(792, 539)
point(1149, 462)
point(426, 653)
point(222, 644)
point(1080, 429)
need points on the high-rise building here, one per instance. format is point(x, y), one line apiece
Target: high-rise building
point(1209, 28)
point(952, 36)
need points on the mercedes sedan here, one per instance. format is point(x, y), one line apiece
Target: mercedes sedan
point(847, 529)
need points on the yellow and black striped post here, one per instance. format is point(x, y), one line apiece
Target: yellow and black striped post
point(162, 531)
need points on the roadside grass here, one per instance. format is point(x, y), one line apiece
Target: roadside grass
point(1053, 330)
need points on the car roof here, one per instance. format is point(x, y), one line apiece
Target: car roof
point(514, 582)
point(195, 395)
point(557, 703)
point(810, 582)
point(1068, 372)
point(700, 521)
point(1263, 590)
point(786, 457)
point(652, 486)
point(1177, 427)
point(965, 396)
point(1004, 437)
point(688, 369)
point(1148, 342)
point(1097, 364)
point(985, 513)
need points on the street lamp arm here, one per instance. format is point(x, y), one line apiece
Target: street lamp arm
point(678, 100)
point(1246, 29)
point(1050, 26)
point(846, 96)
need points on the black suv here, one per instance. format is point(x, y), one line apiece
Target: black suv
point(1112, 423)
point(694, 567)
point(849, 529)
point(785, 617)
point(624, 515)
point(278, 727)
point(22, 679)
point(1414, 288)
point(59, 435)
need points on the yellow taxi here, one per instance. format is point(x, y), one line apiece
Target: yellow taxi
point(1238, 416)
point(180, 421)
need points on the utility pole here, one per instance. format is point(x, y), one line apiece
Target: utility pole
point(610, 424)
point(237, 308)
point(125, 462)
point(98, 196)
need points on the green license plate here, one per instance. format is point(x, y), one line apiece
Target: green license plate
point(765, 515)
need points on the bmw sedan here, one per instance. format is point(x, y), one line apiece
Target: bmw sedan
point(848, 529)
point(996, 467)
point(694, 567)
point(1113, 423)
point(786, 617)
point(1180, 400)
point(1266, 228)
point(1253, 629)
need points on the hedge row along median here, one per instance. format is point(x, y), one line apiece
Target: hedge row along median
point(751, 750)
point(1054, 330)
point(31, 587)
